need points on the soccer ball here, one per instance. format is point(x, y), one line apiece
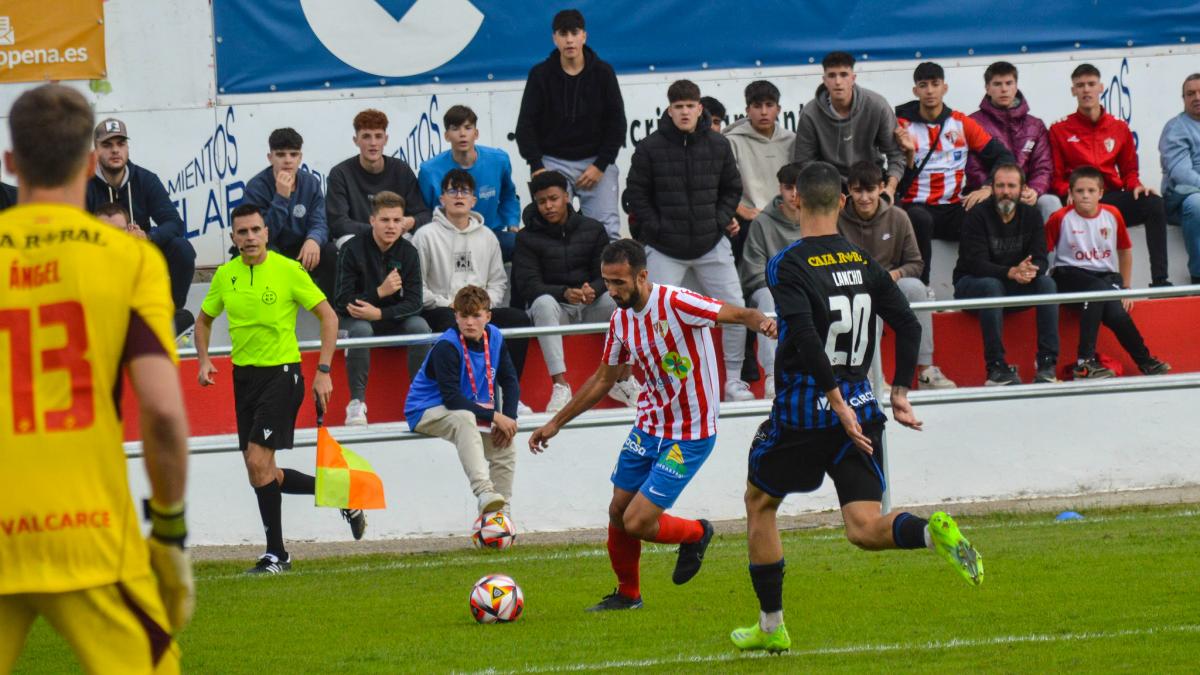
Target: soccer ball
point(493, 530)
point(496, 598)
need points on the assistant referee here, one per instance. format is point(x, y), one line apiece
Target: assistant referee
point(262, 292)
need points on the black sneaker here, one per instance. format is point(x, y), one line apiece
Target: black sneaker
point(691, 556)
point(185, 321)
point(1047, 371)
point(1160, 283)
point(1001, 374)
point(357, 520)
point(1153, 366)
point(615, 600)
point(270, 564)
point(1092, 369)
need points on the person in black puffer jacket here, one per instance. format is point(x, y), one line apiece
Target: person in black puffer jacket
point(556, 273)
point(682, 191)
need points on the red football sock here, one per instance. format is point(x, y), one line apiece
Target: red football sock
point(672, 530)
point(625, 553)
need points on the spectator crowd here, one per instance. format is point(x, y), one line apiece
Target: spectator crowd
point(1034, 210)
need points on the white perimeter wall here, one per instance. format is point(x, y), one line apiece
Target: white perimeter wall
point(205, 146)
point(968, 452)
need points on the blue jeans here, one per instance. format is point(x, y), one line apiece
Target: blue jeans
point(1185, 210)
point(508, 242)
point(991, 321)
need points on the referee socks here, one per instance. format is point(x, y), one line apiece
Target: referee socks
point(297, 483)
point(269, 501)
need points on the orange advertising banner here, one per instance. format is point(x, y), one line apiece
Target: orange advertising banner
point(55, 40)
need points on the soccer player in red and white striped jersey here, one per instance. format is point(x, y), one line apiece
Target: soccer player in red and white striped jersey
point(667, 332)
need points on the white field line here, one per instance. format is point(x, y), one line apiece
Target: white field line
point(865, 648)
point(458, 559)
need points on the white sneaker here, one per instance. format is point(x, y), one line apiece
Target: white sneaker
point(560, 395)
point(356, 413)
point(769, 388)
point(933, 378)
point(626, 391)
point(490, 502)
point(523, 409)
point(738, 390)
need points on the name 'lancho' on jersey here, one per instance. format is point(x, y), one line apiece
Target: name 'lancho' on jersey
point(828, 294)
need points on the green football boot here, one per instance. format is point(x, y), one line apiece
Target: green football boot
point(955, 548)
point(753, 637)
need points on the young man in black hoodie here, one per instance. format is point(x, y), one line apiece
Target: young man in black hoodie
point(683, 189)
point(144, 198)
point(1003, 252)
point(378, 292)
point(556, 269)
point(354, 182)
point(572, 120)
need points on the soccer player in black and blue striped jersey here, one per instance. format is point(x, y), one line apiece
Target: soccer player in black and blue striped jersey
point(825, 419)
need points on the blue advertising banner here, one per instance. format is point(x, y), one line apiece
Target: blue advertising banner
point(304, 45)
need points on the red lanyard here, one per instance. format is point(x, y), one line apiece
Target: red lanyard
point(487, 365)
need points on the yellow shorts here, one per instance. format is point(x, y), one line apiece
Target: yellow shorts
point(119, 628)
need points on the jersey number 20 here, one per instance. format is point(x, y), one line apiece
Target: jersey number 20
point(71, 357)
point(853, 321)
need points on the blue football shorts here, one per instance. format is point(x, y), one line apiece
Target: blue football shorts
point(658, 467)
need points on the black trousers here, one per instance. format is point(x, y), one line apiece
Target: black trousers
point(441, 318)
point(1151, 211)
point(929, 221)
point(1110, 312)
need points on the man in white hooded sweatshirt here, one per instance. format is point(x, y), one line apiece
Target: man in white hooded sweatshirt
point(458, 250)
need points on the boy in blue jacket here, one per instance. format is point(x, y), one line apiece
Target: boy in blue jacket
point(293, 206)
point(454, 397)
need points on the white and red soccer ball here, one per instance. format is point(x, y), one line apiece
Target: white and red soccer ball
point(496, 598)
point(493, 530)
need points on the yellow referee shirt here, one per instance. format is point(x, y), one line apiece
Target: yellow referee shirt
point(77, 299)
point(262, 301)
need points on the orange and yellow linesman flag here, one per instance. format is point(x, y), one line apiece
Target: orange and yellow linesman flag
point(345, 480)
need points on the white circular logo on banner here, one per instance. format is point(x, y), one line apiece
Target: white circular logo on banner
point(365, 36)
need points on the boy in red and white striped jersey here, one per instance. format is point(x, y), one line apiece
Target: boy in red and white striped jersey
point(1092, 252)
point(937, 141)
point(667, 331)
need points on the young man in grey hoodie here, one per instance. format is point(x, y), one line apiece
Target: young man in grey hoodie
point(845, 123)
point(886, 233)
point(775, 228)
point(760, 146)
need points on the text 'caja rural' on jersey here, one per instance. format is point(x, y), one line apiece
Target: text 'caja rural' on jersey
point(79, 299)
point(670, 340)
point(828, 293)
point(262, 301)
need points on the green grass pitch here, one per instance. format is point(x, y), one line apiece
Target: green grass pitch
point(1115, 592)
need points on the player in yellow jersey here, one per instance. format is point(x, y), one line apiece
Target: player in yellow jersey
point(71, 549)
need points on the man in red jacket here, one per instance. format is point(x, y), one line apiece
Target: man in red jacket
point(1092, 137)
point(1004, 113)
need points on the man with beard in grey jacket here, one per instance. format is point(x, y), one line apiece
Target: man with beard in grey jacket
point(775, 228)
point(845, 123)
point(885, 232)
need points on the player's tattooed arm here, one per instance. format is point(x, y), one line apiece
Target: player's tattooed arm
point(751, 318)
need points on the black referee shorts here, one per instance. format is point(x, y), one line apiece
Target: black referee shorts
point(785, 460)
point(267, 399)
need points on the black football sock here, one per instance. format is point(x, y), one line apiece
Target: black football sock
point(297, 483)
point(768, 585)
point(908, 531)
point(269, 500)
